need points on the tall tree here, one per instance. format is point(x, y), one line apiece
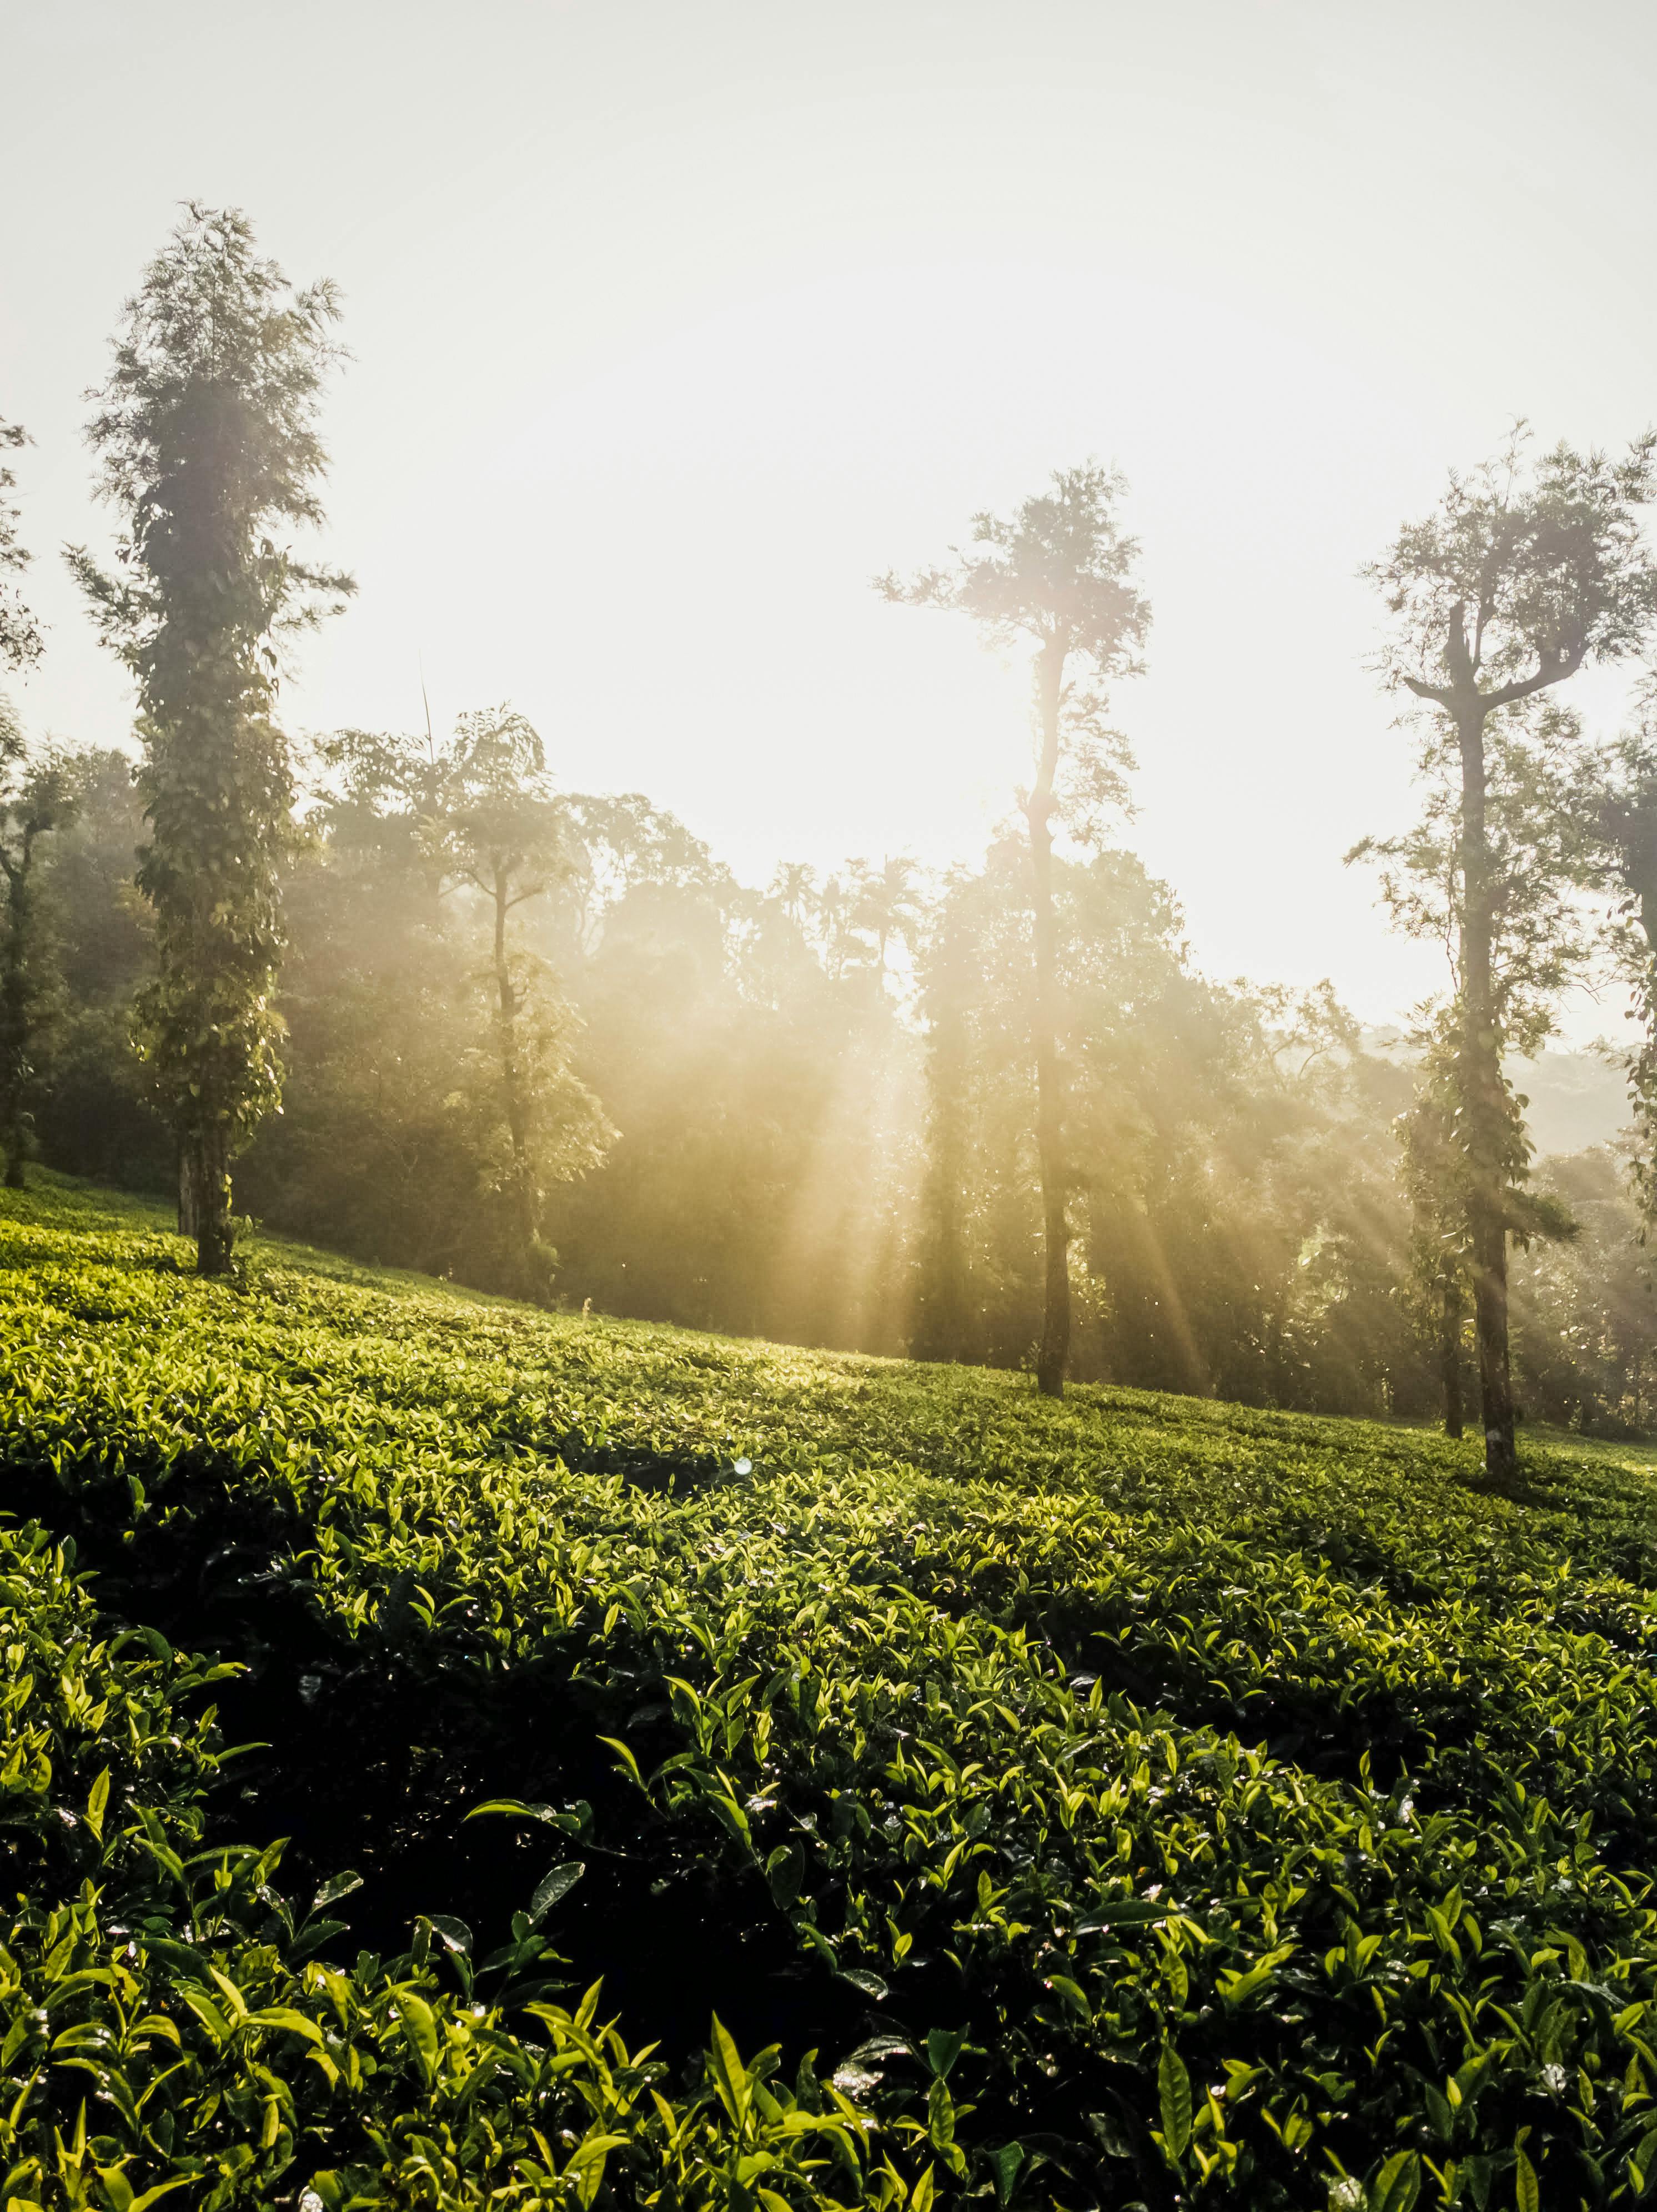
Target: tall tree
point(20, 632)
point(946, 986)
point(471, 826)
point(885, 904)
point(1057, 574)
point(504, 833)
point(1522, 575)
point(35, 799)
point(793, 887)
point(207, 436)
point(1617, 800)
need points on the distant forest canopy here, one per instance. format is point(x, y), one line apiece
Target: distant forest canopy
point(805, 1112)
point(408, 996)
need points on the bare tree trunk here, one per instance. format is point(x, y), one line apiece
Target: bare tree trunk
point(1484, 1101)
point(1449, 1354)
point(525, 1198)
point(1054, 1356)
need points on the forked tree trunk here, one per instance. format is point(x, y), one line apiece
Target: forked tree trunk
point(1449, 1354)
point(1055, 1353)
point(1484, 1102)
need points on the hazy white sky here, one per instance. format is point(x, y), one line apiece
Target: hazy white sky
point(674, 321)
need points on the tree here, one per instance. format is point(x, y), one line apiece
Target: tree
point(207, 441)
point(502, 832)
point(885, 904)
point(19, 634)
point(1521, 576)
point(1617, 800)
point(407, 823)
point(1057, 574)
point(35, 799)
point(793, 887)
point(947, 973)
point(96, 1114)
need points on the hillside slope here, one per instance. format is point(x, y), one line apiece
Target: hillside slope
point(1133, 1800)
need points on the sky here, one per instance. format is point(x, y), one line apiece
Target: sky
point(674, 322)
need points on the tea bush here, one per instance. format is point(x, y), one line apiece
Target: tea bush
point(1127, 1802)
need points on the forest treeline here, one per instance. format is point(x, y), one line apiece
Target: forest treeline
point(806, 1112)
point(437, 1010)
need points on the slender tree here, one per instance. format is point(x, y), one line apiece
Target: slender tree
point(1521, 576)
point(35, 799)
point(885, 904)
point(503, 835)
point(207, 436)
point(20, 632)
point(793, 887)
point(1057, 574)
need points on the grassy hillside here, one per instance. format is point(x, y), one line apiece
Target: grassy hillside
point(1130, 1802)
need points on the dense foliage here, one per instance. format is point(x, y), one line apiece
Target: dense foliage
point(807, 1114)
point(1123, 1801)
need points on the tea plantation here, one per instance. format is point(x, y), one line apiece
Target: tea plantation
point(455, 1756)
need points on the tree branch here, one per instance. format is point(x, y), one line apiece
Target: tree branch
point(1526, 687)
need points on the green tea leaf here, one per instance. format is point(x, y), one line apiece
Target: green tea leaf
point(1124, 1912)
point(1005, 2164)
point(943, 2048)
point(419, 2029)
point(558, 1882)
point(1173, 2099)
point(869, 1983)
point(1398, 2185)
point(97, 1800)
point(284, 2016)
point(941, 2117)
point(730, 2076)
point(784, 1870)
point(452, 1934)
